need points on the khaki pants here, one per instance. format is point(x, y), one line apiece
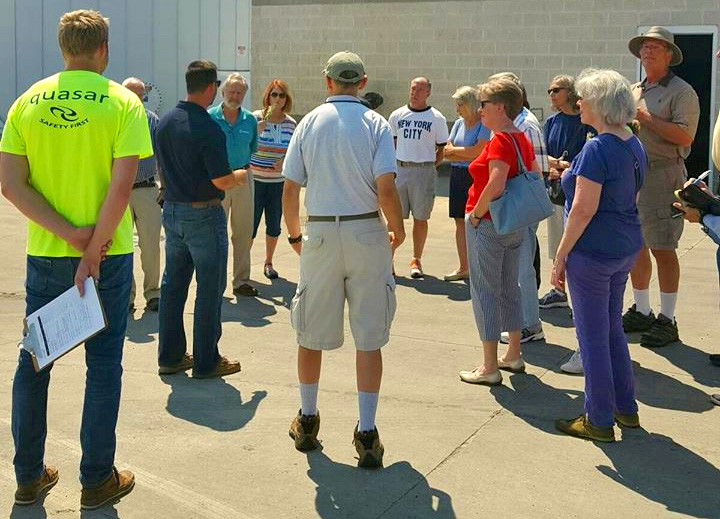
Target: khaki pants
point(239, 206)
point(147, 216)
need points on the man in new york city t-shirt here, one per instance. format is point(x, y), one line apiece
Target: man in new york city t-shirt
point(420, 133)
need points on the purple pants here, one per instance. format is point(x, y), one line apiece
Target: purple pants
point(597, 286)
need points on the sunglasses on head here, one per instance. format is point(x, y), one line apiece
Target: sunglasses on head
point(555, 90)
point(281, 95)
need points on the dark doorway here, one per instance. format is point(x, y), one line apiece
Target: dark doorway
point(696, 69)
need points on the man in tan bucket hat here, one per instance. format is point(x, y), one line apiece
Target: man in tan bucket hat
point(668, 111)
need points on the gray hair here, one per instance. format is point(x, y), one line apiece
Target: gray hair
point(468, 96)
point(609, 94)
point(515, 79)
point(234, 76)
point(568, 83)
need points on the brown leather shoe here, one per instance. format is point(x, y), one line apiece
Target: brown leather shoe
point(627, 420)
point(304, 430)
point(117, 485)
point(29, 493)
point(222, 368)
point(185, 364)
point(369, 448)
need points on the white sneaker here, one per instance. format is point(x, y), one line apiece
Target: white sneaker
point(574, 365)
point(526, 335)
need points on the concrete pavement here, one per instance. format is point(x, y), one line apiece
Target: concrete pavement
point(219, 448)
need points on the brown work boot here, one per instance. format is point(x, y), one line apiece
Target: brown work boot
point(304, 430)
point(117, 485)
point(185, 364)
point(29, 493)
point(369, 448)
point(222, 368)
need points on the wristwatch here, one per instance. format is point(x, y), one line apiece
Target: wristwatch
point(297, 239)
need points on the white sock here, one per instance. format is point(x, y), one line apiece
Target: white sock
point(368, 408)
point(308, 399)
point(667, 304)
point(642, 301)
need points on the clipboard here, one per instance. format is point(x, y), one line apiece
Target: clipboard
point(63, 324)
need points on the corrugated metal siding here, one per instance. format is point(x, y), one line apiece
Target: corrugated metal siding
point(151, 39)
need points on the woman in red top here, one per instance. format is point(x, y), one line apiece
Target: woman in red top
point(492, 257)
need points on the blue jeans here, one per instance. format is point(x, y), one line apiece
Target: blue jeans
point(46, 279)
point(195, 240)
point(597, 286)
point(527, 278)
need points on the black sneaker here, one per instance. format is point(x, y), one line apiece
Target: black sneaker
point(663, 331)
point(369, 448)
point(634, 321)
point(304, 430)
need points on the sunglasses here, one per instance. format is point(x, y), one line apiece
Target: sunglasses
point(218, 83)
point(281, 95)
point(555, 90)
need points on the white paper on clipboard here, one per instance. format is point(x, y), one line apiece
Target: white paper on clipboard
point(63, 324)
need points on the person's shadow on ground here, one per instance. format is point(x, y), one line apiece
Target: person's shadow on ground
point(692, 361)
point(140, 330)
point(454, 291)
point(212, 403)
point(35, 511)
point(559, 317)
point(398, 491)
point(254, 311)
point(105, 512)
point(659, 469)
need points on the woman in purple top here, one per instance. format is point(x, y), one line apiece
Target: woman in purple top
point(601, 239)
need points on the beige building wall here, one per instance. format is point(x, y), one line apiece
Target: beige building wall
point(454, 43)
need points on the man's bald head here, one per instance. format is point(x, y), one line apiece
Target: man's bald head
point(136, 86)
point(419, 92)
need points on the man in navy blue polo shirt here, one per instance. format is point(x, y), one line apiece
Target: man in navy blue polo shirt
point(192, 156)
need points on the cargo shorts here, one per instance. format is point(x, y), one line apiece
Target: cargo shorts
point(660, 230)
point(344, 261)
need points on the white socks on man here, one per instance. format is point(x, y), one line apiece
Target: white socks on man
point(368, 408)
point(668, 301)
point(308, 399)
point(667, 304)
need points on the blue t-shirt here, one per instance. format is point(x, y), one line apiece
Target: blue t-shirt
point(466, 137)
point(191, 152)
point(614, 231)
point(565, 132)
point(240, 138)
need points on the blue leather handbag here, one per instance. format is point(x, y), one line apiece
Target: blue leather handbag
point(524, 202)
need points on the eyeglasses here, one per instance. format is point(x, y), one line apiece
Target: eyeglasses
point(555, 90)
point(281, 95)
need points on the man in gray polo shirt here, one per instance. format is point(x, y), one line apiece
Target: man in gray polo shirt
point(342, 152)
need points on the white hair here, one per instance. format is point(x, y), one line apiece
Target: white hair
point(609, 94)
point(234, 76)
point(467, 96)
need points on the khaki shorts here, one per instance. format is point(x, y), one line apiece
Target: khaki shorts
point(344, 261)
point(660, 230)
point(416, 188)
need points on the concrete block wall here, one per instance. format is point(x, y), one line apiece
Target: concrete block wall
point(454, 43)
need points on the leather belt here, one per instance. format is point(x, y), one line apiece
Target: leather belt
point(344, 218)
point(407, 164)
point(150, 182)
point(202, 205)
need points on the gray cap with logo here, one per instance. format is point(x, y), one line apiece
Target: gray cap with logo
point(345, 67)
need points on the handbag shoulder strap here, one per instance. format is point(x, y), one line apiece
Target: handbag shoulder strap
point(637, 162)
point(520, 163)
